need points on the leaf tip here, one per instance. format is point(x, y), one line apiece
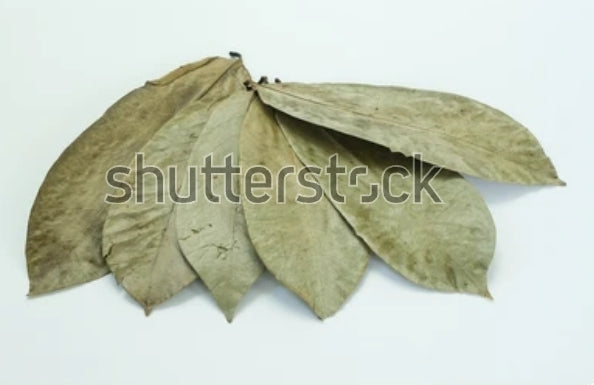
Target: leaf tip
point(323, 314)
point(31, 292)
point(229, 315)
point(487, 294)
point(36, 290)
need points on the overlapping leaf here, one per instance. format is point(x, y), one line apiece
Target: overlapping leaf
point(213, 235)
point(445, 245)
point(307, 247)
point(450, 131)
point(140, 240)
point(64, 235)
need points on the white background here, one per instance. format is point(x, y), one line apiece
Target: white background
point(62, 63)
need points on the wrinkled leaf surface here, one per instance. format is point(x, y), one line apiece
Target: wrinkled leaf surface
point(446, 244)
point(213, 236)
point(140, 240)
point(448, 130)
point(64, 234)
point(307, 247)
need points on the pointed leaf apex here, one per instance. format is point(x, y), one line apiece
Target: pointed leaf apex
point(488, 295)
point(229, 315)
point(147, 310)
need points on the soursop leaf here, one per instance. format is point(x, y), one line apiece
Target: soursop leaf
point(446, 244)
point(308, 247)
point(450, 131)
point(64, 233)
point(140, 239)
point(213, 235)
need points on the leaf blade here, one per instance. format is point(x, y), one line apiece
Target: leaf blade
point(445, 246)
point(213, 236)
point(322, 264)
point(450, 131)
point(140, 240)
point(59, 256)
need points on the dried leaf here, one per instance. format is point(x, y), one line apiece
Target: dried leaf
point(446, 246)
point(196, 116)
point(450, 131)
point(213, 236)
point(139, 240)
point(64, 235)
point(307, 247)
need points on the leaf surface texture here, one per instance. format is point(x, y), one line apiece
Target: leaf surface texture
point(448, 130)
point(64, 233)
point(445, 245)
point(140, 240)
point(307, 247)
point(213, 236)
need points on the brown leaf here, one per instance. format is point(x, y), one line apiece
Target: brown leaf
point(307, 247)
point(213, 236)
point(445, 244)
point(450, 131)
point(140, 240)
point(64, 235)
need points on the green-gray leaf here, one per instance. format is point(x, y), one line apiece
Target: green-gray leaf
point(307, 247)
point(213, 236)
point(446, 246)
point(64, 235)
point(450, 131)
point(140, 240)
